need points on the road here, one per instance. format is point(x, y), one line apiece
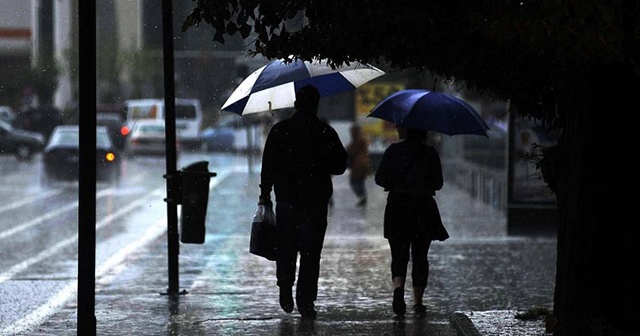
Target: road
point(39, 229)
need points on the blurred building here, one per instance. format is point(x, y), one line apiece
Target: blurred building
point(19, 29)
point(16, 19)
point(129, 35)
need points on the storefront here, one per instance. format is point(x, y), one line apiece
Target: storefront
point(531, 205)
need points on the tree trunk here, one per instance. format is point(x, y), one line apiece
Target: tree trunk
point(596, 285)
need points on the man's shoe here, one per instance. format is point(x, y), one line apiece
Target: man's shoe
point(399, 307)
point(286, 299)
point(308, 313)
point(306, 310)
point(420, 310)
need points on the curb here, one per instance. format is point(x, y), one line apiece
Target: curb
point(463, 325)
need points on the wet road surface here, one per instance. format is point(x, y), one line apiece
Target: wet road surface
point(231, 292)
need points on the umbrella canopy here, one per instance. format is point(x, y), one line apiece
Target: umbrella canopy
point(274, 85)
point(430, 110)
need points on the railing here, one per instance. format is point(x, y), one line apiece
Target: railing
point(488, 185)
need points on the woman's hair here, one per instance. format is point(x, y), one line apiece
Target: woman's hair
point(416, 134)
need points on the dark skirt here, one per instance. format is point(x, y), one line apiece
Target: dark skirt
point(413, 215)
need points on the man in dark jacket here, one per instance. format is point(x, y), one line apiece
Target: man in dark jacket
point(300, 156)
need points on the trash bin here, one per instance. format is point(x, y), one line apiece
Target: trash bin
point(194, 198)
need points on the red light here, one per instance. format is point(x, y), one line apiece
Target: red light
point(124, 130)
point(110, 156)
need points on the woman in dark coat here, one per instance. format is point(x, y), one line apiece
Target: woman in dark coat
point(411, 172)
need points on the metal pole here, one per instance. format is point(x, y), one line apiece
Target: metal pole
point(250, 147)
point(170, 122)
point(86, 324)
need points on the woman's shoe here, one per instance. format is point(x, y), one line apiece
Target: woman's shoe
point(399, 307)
point(420, 310)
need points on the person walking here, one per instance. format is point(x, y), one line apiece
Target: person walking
point(411, 172)
point(359, 164)
point(301, 154)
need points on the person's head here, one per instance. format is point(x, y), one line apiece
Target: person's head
point(355, 130)
point(307, 99)
point(412, 133)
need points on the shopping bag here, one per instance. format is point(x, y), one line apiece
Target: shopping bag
point(263, 240)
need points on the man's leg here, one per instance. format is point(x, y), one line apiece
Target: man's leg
point(287, 254)
point(311, 237)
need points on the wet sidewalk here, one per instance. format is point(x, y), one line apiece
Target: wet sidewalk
point(228, 291)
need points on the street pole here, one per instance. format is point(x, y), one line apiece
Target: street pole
point(170, 132)
point(250, 147)
point(86, 324)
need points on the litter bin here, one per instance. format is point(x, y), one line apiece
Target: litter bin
point(194, 198)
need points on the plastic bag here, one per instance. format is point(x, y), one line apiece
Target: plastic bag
point(263, 240)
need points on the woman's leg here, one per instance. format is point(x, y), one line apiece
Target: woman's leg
point(357, 186)
point(399, 262)
point(419, 272)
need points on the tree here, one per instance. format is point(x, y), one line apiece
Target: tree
point(108, 67)
point(572, 64)
point(145, 72)
point(43, 77)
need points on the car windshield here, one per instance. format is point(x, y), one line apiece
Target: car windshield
point(65, 138)
point(185, 111)
point(71, 137)
point(151, 129)
point(102, 139)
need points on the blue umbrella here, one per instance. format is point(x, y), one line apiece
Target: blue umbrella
point(430, 110)
point(274, 85)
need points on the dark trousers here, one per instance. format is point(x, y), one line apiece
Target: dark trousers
point(301, 229)
point(358, 186)
point(416, 248)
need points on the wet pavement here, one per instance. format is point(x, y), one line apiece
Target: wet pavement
point(479, 277)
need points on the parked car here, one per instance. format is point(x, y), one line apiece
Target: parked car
point(218, 138)
point(147, 137)
point(60, 158)
point(228, 134)
point(41, 119)
point(116, 127)
point(23, 144)
point(188, 116)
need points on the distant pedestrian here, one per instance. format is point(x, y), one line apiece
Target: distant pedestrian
point(359, 164)
point(411, 172)
point(300, 156)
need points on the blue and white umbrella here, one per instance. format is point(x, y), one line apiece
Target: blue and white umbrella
point(274, 85)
